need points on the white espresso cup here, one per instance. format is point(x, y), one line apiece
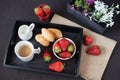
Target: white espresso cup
point(25, 51)
point(25, 32)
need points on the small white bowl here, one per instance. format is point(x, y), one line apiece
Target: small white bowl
point(70, 42)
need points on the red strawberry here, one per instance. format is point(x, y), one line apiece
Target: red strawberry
point(46, 9)
point(47, 56)
point(64, 44)
point(87, 40)
point(56, 66)
point(94, 50)
point(39, 12)
point(57, 48)
point(65, 54)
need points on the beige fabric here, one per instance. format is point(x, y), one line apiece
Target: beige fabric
point(91, 67)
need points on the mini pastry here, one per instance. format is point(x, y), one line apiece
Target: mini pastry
point(57, 32)
point(39, 38)
point(48, 35)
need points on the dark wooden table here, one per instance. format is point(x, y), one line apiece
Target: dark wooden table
point(12, 10)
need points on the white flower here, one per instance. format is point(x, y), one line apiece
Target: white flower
point(118, 12)
point(103, 13)
point(107, 25)
point(99, 5)
point(111, 24)
point(85, 14)
point(90, 18)
point(105, 18)
point(117, 6)
point(110, 14)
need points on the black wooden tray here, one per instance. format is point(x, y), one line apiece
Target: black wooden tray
point(38, 64)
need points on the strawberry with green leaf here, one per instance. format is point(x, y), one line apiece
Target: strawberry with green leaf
point(57, 66)
point(94, 50)
point(39, 12)
point(87, 40)
point(57, 48)
point(47, 56)
point(42, 10)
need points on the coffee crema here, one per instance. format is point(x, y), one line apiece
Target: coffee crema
point(25, 51)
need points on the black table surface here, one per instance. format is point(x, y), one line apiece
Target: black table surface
point(12, 10)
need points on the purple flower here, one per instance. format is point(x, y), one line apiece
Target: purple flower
point(72, 7)
point(90, 2)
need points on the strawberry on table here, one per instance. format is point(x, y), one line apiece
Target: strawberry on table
point(87, 40)
point(56, 66)
point(94, 50)
point(47, 56)
point(64, 43)
point(65, 54)
point(57, 48)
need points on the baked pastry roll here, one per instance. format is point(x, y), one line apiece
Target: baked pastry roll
point(39, 38)
point(48, 35)
point(57, 32)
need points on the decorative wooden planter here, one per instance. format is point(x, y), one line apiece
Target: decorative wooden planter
point(92, 25)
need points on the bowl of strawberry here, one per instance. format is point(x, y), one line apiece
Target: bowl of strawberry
point(43, 12)
point(64, 48)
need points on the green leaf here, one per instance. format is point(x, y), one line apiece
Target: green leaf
point(86, 6)
point(57, 50)
point(78, 3)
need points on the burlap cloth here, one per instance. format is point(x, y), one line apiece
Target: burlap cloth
point(91, 67)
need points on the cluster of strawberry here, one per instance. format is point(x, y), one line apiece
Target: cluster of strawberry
point(42, 10)
point(94, 49)
point(57, 66)
point(63, 48)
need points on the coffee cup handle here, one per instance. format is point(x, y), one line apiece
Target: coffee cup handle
point(32, 25)
point(37, 51)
